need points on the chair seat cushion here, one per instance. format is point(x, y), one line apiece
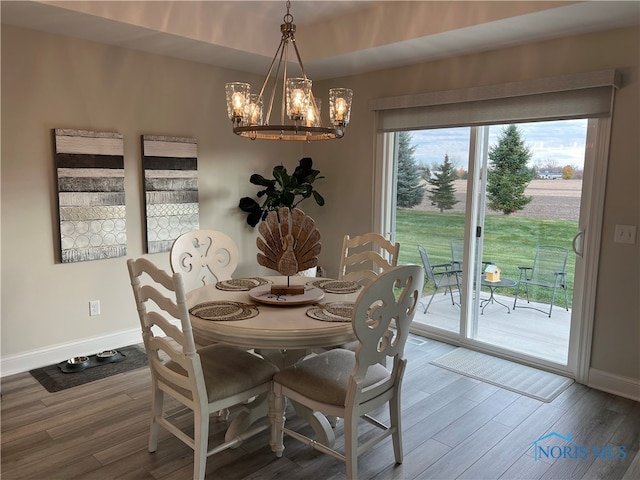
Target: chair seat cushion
point(325, 377)
point(229, 370)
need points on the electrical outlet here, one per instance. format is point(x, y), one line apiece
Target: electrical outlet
point(94, 307)
point(625, 234)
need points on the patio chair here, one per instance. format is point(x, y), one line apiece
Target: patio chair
point(548, 271)
point(457, 254)
point(443, 275)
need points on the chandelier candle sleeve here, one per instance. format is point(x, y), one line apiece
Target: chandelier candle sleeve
point(340, 105)
point(237, 100)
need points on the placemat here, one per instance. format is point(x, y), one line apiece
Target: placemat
point(224, 310)
point(336, 286)
point(332, 312)
point(240, 284)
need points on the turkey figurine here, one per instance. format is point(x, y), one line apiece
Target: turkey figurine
point(289, 241)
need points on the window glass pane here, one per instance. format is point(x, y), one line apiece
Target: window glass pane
point(440, 161)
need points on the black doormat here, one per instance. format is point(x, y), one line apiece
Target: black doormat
point(54, 379)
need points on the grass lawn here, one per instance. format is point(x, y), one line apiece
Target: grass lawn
point(509, 242)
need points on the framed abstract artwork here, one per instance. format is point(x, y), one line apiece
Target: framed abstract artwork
point(170, 166)
point(90, 174)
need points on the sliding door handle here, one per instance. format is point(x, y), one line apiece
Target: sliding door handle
point(578, 243)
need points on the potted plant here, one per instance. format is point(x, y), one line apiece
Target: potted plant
point(283, 191)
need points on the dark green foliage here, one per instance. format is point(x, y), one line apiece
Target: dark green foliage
point(442, 193)
point(283, 191)
point(508, 175)
point(410, 191)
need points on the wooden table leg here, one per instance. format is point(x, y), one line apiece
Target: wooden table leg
point(319, 422)
point(250, 412)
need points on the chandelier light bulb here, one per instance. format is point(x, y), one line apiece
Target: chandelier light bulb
point(297, 100)
point(298, 95)
point(312, 117)
point(254, 110)
point(341, 107)
point(238, 103)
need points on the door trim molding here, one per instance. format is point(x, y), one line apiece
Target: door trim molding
point(594, 194)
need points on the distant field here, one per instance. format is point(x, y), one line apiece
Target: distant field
point(558, 199)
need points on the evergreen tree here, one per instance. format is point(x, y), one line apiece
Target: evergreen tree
point(508, 174)
point(443, 193)
point(410, 191)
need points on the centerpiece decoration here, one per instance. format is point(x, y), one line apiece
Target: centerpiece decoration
point(289, 243)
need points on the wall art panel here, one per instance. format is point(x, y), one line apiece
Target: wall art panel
point(170, 167)
point(90, 170)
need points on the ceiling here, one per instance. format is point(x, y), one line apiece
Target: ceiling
point(335, 38)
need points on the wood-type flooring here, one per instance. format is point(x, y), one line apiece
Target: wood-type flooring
point(454, 427)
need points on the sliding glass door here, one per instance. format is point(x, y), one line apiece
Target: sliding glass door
point(493, 232)
point(487, 231)
point(509, 241)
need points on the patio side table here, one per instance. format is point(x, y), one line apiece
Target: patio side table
point(493, 286)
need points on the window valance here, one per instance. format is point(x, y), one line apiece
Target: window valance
point(582, 95)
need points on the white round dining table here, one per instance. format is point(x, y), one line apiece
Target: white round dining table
point(281, 331)
point(277, 325)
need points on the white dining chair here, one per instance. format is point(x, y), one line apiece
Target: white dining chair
point(204, 257)
point(365, 256)
point(206, 380)
point(350, 385)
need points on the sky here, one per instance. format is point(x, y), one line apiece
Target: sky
point(556, 143)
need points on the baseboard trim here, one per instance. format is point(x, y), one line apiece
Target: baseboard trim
point(25, 361)
point(617, 384)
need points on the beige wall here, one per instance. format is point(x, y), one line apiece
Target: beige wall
point(55, 82)
point(50, 82)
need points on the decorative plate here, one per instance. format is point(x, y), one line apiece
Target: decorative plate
point(263, 294)
point(332, 312)
point(240, 284)
point(336, 286)
point(224, 311)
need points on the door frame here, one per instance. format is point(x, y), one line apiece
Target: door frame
point(590, 222)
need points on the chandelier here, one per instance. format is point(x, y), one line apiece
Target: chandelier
point(300, 110)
